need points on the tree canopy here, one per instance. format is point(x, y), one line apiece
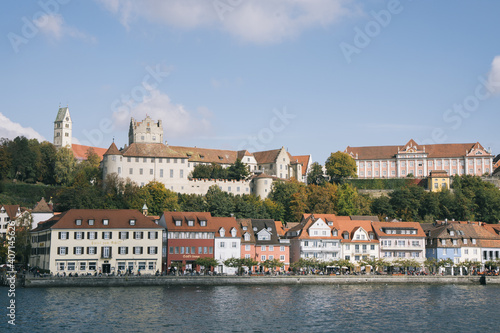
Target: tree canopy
point(340, 166)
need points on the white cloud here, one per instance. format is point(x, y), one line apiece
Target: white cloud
point(11, 130)
point(257, 21)
point(53, 26)
point(494, 75)
point(177, 121)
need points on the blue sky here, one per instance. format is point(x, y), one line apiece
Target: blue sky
point(312, 75)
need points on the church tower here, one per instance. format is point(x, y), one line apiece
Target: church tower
point(63, 129)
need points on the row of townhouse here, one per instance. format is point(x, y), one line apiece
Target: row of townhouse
point(328, 237)
point(462, 241)
point(87, 241)
point(191, 235)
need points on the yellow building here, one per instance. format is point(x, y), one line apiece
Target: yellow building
point(438, 180)
point(87, 241)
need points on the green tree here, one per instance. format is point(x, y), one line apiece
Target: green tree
point(321, 199)
point(64, 166)
point(235, 263)
point(282, 192)
point(48, 156)
point(24, 159)
point(315, 175)
point(219, 203)
point(192, 203)
point(275, 210)
point(238, 170)
point(5, 159)
point(347, 200)
point(298, 204)
point(272, 264)
point(159, 199)
point(207, 263)
point(202, 171)
point(431, 264)
point(340, 166)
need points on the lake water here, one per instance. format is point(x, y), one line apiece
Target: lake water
point(351, 308)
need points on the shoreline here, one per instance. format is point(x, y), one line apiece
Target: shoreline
point(121, 281)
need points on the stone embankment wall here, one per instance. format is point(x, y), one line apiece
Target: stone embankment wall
point(238, 280)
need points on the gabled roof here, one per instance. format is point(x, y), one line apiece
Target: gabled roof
point(304, 160)
point(42, 207)
point(246, 223)
point(117, 219)
point(268, 156)
point(206, 155)
point(184, 217)
point(228, 223)
point(80, 151)
point(261, 224)
point(351, 227)
point(12, 211)
point(432, 151)
point(379, 227)
point(61, 113)
point(150, 150)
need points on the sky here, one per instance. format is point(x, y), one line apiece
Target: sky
point(314, 76)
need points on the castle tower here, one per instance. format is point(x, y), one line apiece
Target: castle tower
point(63, 128)
point(146, 131)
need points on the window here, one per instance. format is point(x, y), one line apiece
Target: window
point(233, 245)
point(106, 252)
point(106, 235)
point(282, 248)
point(105, 222)
point(203, 223)
point(123, 235)
point(83, 266)
point(171, 173)
point(138, 235)
point(131, 222)
point(191, 224)
point(222, 244)
point(78, 250)
point(150, 171)
point(91, 250)
point(79, 235)
point(92, 235)
point(154, 250)
point(372, 247)
point(271, 248)
point(62, 251)
point(121, 265)
point(262, 258)
point(78, 222)
point(263, 248)
point(142, 265)
point(92, 265)
point(153, 235)
point(123, 250)
point(247, 247)
point(161, 173)
point(71, 266)
point(131, 171)
point(63, 235)
point(137, 249)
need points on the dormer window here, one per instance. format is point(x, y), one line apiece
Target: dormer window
point(254, 228)
point(191, 223)
point(203, 223)
point(335, 233)
point(473, 241)
point(247, 237)
point(345, 235)
point(465, 240)
point(245, 228)
point(178, 223)
point(233, 232)
point(2, 210)
point(330, 223)
point(105, 222)
point(131, 222)
point(91, 222)
point(78, 222)
point(372, 236)
point(222, 232)
point(452, 233)
point(269, 229)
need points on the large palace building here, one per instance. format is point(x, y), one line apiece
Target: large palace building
point(420, 160)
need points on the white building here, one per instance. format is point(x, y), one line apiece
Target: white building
point(41, 212)
point(227, 243)
point(63, 128)
point(147, 159)
point(97, 240)
point(400, 240)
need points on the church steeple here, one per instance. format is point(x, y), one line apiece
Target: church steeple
point(63, 128)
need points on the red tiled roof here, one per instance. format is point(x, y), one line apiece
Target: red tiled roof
point(12, 211)
point(304, 160)
point(117, 218)
point(184, 217)
point(433, 151)
point(42, 207)
point(378, 226)
point(80, 151)
point(268, 156)
point(112, 150)
point(228, 223)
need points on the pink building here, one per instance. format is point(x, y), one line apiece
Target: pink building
point(420, 160)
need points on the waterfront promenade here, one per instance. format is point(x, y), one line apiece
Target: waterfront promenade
point(111, 281)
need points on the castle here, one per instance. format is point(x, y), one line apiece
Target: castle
point(146, 158)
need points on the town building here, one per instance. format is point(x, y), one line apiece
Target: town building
point(261, 242)
point(438, 180)
point(400, 240)
point(189, 236)
point(461, 241)
point(41, 212)
point(8, 213)
point(87, 241)
point(359, 241)
point(146, 158)
point(316, 236)
point(227, 243)
point(420, 160)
